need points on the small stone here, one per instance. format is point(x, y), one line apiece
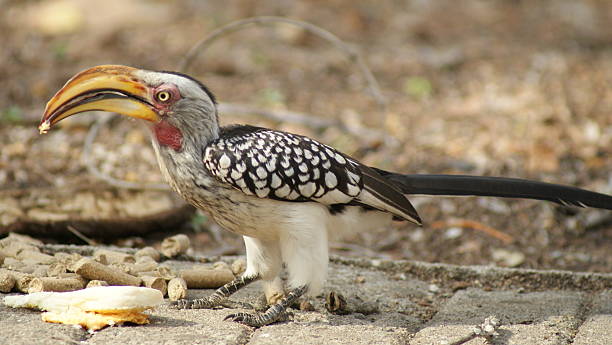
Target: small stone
point(507, 258)
point(306, 305)
point(452, 233)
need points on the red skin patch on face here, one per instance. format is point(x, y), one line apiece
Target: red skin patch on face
point(168, 135)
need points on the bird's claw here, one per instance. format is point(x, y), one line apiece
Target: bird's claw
point(258, 320)
point(253, 320)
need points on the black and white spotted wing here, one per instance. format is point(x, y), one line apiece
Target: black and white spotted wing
point(290, 167)
point(284, 166)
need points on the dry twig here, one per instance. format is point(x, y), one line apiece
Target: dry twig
point(78, 234)
point(471, 224)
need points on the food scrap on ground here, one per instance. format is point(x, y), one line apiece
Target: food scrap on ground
point(93, 308)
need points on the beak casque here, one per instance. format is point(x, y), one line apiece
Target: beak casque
point(111, 88)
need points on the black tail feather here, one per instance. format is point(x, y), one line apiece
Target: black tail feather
point(498, 187)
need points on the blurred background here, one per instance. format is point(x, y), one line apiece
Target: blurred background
point(508, 88)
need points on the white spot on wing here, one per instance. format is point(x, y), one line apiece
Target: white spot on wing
point(307, 189)
point(303, 167)
point(271, 164)
point(315, 174)
point(331, 181)
point(262, 193)
point(235, 174)
point(224, 161)
point(353, 190)
point(260, 183)
point(276, 181)
point(261, 173)
point(283, 191)
point(293, 195)
point(340, 159)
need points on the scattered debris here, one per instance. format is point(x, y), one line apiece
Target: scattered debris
point(177, 289)
point(175, 245)
point(335, 303)
point(205, 278)
point(488, 330)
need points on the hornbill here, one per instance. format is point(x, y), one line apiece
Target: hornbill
point(282, 192)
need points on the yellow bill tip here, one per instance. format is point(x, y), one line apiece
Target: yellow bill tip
point(44, 127)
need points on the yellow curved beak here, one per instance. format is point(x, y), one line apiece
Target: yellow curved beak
point(110, 88)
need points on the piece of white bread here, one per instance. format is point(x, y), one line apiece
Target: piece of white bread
point(92, 308)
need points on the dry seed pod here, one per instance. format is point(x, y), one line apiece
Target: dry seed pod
point(143, 264)
point(113, 257)
point(22, 281)
point(165, 272)
point(14, 248)
point(14, 237)
point(13, 264)
point(57, 269)
point(150, 252)
point(87, 268)
point(68, 259)
point(35, 256)
point(175, 245)
point(56, 284)
point(177, 289)
point(127, 268)
point(40, 271)
point(94, 283)
point(238, 266)
point(7, 281)
point(221, 265)
point(101, 258)
point(206, 278)
point(156, 283)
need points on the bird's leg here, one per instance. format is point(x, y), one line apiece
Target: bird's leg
point(218, 296)
point(272, 314)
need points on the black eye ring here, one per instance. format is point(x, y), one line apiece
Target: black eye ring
point(163, 96)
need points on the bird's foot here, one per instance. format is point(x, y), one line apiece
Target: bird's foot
point(276, 312)
point(258, 319)
point(218, 298)
point(200, 303)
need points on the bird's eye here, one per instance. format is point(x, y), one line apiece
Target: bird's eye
point(163, 96)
